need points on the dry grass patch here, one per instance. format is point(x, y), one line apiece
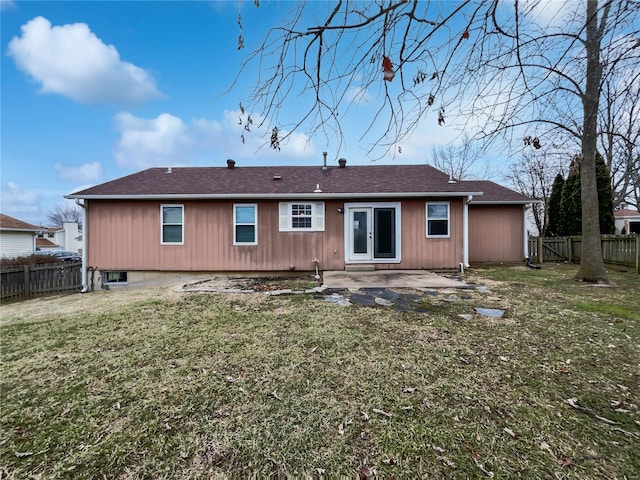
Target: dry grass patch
point(199, 385)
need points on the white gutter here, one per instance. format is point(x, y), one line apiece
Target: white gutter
point(85, 233)
point(525, 247)
point(269, 196)
point(465, 231)
point(36, 231)
point(504, 202)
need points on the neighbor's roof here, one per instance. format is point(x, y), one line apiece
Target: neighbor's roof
point(10, 223)
point(45, 243)
point(626, 212)
point(295, 182)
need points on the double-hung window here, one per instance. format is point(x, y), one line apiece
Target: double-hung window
point(438, 219)
point(245, 224)
point(172, 224)
point(301, 216)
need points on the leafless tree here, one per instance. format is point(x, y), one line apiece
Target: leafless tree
point(533, 176)
point(484, 66)
point(461, 161)
point(64, 213)
point(619, 133)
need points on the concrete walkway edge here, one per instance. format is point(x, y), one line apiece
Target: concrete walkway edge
point(389, 279)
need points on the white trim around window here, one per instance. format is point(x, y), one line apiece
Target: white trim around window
point(245, 223)
point(115, 278)
point(437, 219)
point(301, 216)
point(171, 224)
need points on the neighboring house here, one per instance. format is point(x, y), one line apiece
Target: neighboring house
point(17, 238)
point(627, 220)
point(286, 218)
point(66, 237)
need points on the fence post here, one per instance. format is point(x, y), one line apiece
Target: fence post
point(637, 253)
point(540, 247)
point(27, 282)
point(570, 249)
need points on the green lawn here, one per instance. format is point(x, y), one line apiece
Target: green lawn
point(205, 385)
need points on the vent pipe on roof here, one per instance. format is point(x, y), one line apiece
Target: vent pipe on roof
point(342, 162)
point(451, 179)
point(231, 163)
point(324, 164)
point(168, 169)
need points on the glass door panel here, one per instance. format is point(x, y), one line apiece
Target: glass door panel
point(384, 232)
point(360, 233)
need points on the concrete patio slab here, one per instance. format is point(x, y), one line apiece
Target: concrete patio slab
point(389, 279)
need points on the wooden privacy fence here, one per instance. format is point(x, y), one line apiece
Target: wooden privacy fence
point(616, 249)
point(31, 280)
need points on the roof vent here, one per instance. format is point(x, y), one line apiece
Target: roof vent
point(324, 163)
point(168, 169)
point(231, 163)
point(451, 179)
point(342, 162)
point(277, 177)
point(317, 190)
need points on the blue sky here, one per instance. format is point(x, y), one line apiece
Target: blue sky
point(92, 91)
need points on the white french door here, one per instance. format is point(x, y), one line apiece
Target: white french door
point(372, 232)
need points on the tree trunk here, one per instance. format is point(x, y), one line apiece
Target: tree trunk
point(591, 262)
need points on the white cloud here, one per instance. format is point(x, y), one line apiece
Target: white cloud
point(164, 140)
point(19, 203)
point(88, 172)
point(70, 60)
point(168, 141)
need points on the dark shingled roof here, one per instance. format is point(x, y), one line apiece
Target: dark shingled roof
point(221, 182)
point(10, 223)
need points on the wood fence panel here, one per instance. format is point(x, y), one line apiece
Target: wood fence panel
point(616, 249)
point(33, 280)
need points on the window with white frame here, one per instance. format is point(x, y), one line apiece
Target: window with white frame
point(301, 216)
point(438, 219)
point(114, 278)
point(172, 224)
point(245, 224)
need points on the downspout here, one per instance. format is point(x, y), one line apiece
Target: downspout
point(525, 247)
point(465, 231)
point(85, 232)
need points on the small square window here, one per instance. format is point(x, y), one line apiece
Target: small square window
point(438, 219)
point(301, 217)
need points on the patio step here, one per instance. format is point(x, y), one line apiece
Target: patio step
point(360, 268)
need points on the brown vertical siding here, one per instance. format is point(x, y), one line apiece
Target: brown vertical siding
point(125, 235)
point(418, 251)
point(496, 233)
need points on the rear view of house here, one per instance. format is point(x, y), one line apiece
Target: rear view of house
point(265, 219)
